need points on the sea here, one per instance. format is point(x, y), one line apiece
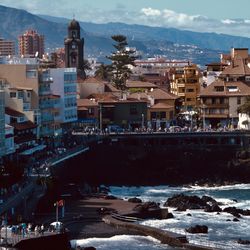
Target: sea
point(223, 232)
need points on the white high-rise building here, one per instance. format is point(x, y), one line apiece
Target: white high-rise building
point(64, 85)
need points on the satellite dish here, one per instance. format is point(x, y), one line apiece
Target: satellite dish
point(36, 55)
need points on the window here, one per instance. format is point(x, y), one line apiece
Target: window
point(238, 100)
point(12, 94)
point(190, 90)
point(20, 94)
point(91, 111)
point(163, 115)
point(232, 88)
point(31, 74)
point(28, 94)
point(153, 115)
point(219, 88)
point(133, 109)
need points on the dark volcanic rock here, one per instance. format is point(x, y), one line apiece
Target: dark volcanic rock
point(235, 220)
point(208, 199)
point(110, 197)
point(244, 242)
point(135, 200)
point(150, 210)
point(183, 202)
point(197, 229)
point(236, 211)
point(213, 208)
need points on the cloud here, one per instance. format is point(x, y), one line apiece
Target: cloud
point(151, 12)
point(228, 21)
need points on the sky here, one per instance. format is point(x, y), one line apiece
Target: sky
point(220, 16)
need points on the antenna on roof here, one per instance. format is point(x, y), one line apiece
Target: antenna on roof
point(74, 15)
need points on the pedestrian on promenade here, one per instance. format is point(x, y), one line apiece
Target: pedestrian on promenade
point(42, 229)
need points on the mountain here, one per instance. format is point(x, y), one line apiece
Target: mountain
point(200, 48)
point(204, 40)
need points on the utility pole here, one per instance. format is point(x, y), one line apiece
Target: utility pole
point(204, 122)
point(142, 121)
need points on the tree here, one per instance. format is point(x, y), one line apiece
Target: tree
point(104, 72)
point(121, 59)
point(245, 108)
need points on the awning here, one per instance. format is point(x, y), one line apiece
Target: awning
point(33, 150)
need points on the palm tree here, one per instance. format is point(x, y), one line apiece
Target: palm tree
point(103, 72)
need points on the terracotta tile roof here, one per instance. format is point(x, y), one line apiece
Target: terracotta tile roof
point(24, 125)
point(13, 112)
point(230, 89)
point(238, 67)
point(160, 94)
point(110, 88)
point(161, 106)
point(108, 96)
point(86, 103)
point(140, 84)
point(82, 109)
point(123, 101)
point(91, 80)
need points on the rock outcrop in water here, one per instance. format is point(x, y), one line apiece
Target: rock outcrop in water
point(198, 229)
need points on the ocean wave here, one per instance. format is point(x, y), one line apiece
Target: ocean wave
point(121, 242)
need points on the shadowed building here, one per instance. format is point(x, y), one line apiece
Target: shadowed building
point(7, 47)
point(74, 57)
point(31, 43)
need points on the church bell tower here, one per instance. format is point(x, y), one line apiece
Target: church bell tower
point(74, 44)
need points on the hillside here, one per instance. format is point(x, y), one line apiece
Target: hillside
point(201, 48)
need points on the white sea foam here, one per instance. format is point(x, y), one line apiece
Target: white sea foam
point(223, 231)
point(121, 242)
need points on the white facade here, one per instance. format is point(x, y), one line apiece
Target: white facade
point(2, 124)
point(9, 140)
point(64, 84)
point(244, 121)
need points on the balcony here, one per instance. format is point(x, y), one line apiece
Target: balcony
point(45, 79)
point(217, 105)
point(224, 115)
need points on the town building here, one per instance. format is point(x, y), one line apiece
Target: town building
point(129, 114)
point(10, 147)
point(88, 113)
point(238, 68)
point(90, 85)
point(185, 83)
point(30, 93)
point(136, 86)
point(25, 131)
point(7, 47)
point(74, 48)
point(212, 72)
point(2, 124)
point(31, 44)
point(220, 101)
point(65, 87)
point(162, 107)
